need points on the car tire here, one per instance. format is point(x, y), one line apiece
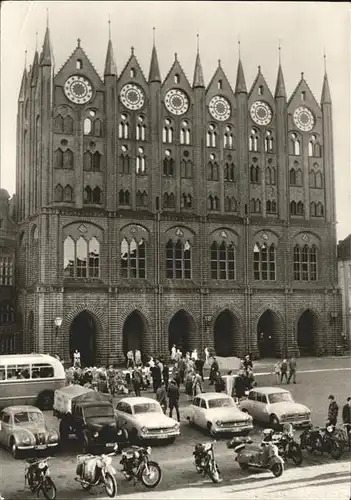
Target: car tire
point(210, 429)
point(171, 440)
point(274, 420)
point(14, 449)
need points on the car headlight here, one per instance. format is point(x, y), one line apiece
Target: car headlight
point(25, 440)
point(219, 423)
point(52, 438)
point(42, 465)
point(144, 430)
point(96, 434)
point(176, 426)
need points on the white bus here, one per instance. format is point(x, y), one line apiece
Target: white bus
point(30, 379)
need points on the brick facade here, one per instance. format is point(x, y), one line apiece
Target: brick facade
point(45, 220)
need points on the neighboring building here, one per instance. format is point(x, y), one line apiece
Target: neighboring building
point(153, 213)
point(344, 265)
point(9, 341)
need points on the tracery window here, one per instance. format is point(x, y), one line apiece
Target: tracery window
point(271, 176)
point(68, 193)
point(6, 271)
point(123, 127)
point(295, 144)
point(93, 196)
point(295, 177)
point(314, 148)
point(141, 199)
point(167, 132)
point(268, 142)
point(178, 259)
point(168, 164)
point(211, 136)
point(185, 132)
point(296, 208)
point(230, 204)
point(213, 203)
point(255, 174)
point(186, 168)
point(212, 170)
point(140, 165)
point(255, 206)
point(271, 207)
point(264, 257)
point(228, 140)
point(229, 172)
point(124, 164)
point(124, 197)
point(81, 257)
point(254, 140)
point(222, 261)
point(186, 200)
point(141, 129)
point(305, 263)
point(168, 200)
point(133, 258)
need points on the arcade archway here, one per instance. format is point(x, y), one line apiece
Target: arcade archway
point(268, 329)
point(134, 332)
point(307, 330)
point(225, 330)
point(83, 333)
point(181, 330)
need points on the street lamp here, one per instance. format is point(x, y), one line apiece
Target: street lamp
point(58, 323)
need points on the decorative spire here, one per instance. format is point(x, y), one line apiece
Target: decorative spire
point(25, 60)
point(153, 36)
point(279, 49)
point(110, 64)
point(280, 86)
point(198, 80)
point(45, 58)
point(239, 48)
point(219, 63)
point(302, 75)
point(175, 56)
point(240, 80)
point(36, 41)
point(78, 42)
point(259, 69)
point(24, 80)
point(197, 43)
point(35, 69)
point(47, 18)
point(109, 27)
point(326, 98)
point(154, 73)
point(132, 50)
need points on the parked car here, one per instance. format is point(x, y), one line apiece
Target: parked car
point(275, 406)
point(23, 428)
point(218, 413)
point(144, 420)
point(90, 417)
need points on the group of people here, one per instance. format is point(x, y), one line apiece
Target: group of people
point(285, 370)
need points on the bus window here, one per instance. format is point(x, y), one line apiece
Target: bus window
point(2, 373)
point(42, 370)
point(18, 372)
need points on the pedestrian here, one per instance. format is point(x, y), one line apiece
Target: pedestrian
point(284, 371)
point(161, 397)
point(292, 370)
point(189, 385)
point(197, 384)
point(173, 399)
point(247, 363)
point(76, 359)
point(207, 355)
point(130, 359)
point(199, 366)
point(346, 418)
point(194, 355)
point(165, 374)
point(276, 371)
point(213, 370)
point(156, 377)
point(173, 353)
point(176, 375)
point(219, 382)
point(239, 385)
point(230, 378)
point(333, 410)
point(137, 380)
point(137, 357)
point(181, 367)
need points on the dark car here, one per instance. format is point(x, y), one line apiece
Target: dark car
point(90, 417)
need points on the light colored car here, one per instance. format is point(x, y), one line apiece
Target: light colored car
point(23, 428)
point(274, 405)
point(144, 419)
point(218, 413)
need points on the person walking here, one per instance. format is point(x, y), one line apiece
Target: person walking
point(199, 366)
point(230, 378)
point(173, 399)
point(239, 385)
point(284, 371)
point(130, 359)
point(292, 370)
point(197, 384)
point(213, 370)
point(219, 382)
point(276, 371)
point(181, 367)
point(137, 380)
point(333, 410)
point(346, 418)
point(161, 397)
point(176, 375)
point(165, 374)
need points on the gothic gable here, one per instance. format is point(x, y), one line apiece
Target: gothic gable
point(302, 96)
point(260, 91)
point(132, 73)
point(176, 78)
point(219, 85)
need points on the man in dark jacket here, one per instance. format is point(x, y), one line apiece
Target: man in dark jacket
point(156, 376)
point(333, 410)
point(213, 370)
point(239, 385)
point(165, 374)
point(346, 418)
point(181, 367)
point(161, 397)
point(173, 399)
point(137, 380)
point(199, 366)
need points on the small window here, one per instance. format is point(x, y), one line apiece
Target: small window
point(87, 126)
point(42, 370)
point(6, 418)
point(260, 90)
point(220, 84)
point(79, 64)
point(132, 73)
point(176, 78)
point(203, 404)
point(303, 96)
point(92, 113)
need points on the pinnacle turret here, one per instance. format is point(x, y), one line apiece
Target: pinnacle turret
point(280, 86)
point(45, 58)
point(326, 98)
point(240, 80)
point(23, 86)
point(198, 73)
point(154, 73)
point(35, 69)
point(110, 64)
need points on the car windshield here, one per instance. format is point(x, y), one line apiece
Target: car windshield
point(280, 397)
point(221, 403)
point(147, 408)
point(25, 417)
point(99, 411)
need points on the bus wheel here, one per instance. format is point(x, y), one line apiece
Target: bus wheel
point(45, 400)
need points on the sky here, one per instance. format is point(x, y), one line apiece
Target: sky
point(305, 30)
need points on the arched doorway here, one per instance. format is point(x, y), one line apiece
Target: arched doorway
point(307, 328)
point(83, 332)
point(225, 330)
point(134, 330)
point(180, 331)
point(268, 329)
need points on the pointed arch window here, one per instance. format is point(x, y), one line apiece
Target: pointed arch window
point(178, 259)
point(255, 206)
point(319, 180)
point(96, 161)
point(222, 261)
point(229, 172)
point(167, 131)
point(123, 127)
point(133, 258)
point(264, 258)
point(295, 144)
point(312, 179)
point(97, 128)
point(58, 158)
point(68, 193)
point(69, 257)
point(87, 160)
point(87, 126)
point(213, 203)
point(271, 207)
point(68, 127)
point(186, 169)
point(305, 263)
point(268, 142)
point(58, 124)
point(228, 139)
point(212, 171)
point(81, 258)
point(124, 164)
point(185, 133)
point(254, 140)
point(141, 199)
point(230, 204)
point(313, 209)
point(141, 129)
point(124, 197)
point(255, 174)
point(97, 196)
point(320, 209)
point(58, 194)
point(168, 200)
point(168, 166)
point(186, 200)
point(68, 159)
point(211, 136)
point(140, 166)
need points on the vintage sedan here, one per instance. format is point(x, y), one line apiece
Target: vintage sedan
point(218, 413)
point(275, 405)
point(23, 428)
point(144, 420)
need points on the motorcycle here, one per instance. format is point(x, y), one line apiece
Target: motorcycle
point(315, 439)
point(94, 470)
point(285, 442)
point(264, 456)
point(205, 462)
point(137, 466)
point(37, 477)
